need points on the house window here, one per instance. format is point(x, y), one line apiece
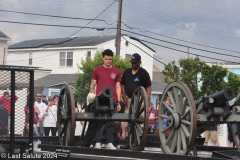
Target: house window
point(66, 59)
point(127, 57)
point(89, 54)
point(30, 59)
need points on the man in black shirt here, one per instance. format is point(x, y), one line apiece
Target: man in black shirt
point(131, 79)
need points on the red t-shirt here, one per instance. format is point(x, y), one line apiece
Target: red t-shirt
point(106, 77)
point(153, 113)
point(7, 103)
point(35, 118)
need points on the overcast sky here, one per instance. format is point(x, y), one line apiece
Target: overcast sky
point(214, 23)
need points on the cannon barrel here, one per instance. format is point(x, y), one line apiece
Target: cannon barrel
point(219, 98)
point(107, 92)
point(104, 95)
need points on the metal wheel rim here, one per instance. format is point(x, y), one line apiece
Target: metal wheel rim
point(66, 106)
point(182, 136)
point(235, 131)
point(138, 134)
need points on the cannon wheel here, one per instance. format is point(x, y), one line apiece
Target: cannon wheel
point(236, 126)
point(179, 136)
point(66, 116)
point(138, 126)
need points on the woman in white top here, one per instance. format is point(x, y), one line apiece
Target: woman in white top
point(50, 113)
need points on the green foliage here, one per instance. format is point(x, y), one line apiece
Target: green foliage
point(233, 82)
point(86, 66)
point(202, 79)
point(213, 79)
point(171, 72)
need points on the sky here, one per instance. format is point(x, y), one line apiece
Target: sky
point(211, 27)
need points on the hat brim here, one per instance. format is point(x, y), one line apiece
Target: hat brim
point(134, 61)
point(38, 97)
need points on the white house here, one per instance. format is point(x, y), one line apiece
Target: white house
point(61, 55)
point(3, 47)
point(58, 58)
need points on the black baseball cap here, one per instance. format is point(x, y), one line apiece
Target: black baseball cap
point(135, 58)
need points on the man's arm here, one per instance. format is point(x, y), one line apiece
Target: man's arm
point(93, 85)
point(118, 90)
point(148, 89)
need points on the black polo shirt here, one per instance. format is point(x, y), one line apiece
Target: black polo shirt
point(131, 82)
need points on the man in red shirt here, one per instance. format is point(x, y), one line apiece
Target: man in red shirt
point(5, 101)
point(102, 76)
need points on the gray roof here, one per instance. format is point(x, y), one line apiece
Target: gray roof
point(62, 42)
point(223, 63)
point(158, 76)
point(67, 42)
point(53, 79)
point(158, 86)
point(2, 35)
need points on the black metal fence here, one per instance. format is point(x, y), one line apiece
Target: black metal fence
point(16, 110)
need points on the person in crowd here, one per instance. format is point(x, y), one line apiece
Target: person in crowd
point(40, 105)
point(5, 100)
point(3, 121)
point(131, 79)
point(50, 120)
point(153, 115)
point(55, 100)
point(167, 112)
point(230, 136)
point(44, 99)
point(102, 76)
point(36, 113)
point(212, 134)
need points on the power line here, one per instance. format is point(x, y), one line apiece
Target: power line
point(145, 52)
point(83, 26)
point(195, 31)
point(54, 25)
point(179, 39)
point(54, 16)
point(72, 1)
point(186, 52)
point(207, 8)
point(151, 9)
point(182, 45)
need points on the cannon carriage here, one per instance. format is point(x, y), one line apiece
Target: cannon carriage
point(190, 118)
point(187, 119)
point(99, 112)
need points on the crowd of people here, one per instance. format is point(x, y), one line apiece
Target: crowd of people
point(45, 116)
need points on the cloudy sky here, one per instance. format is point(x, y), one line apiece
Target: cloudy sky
point(209, 25)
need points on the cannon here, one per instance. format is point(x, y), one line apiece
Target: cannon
point(190, 118)
point(100, 112)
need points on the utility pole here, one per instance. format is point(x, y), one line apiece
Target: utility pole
point(4, 55)
point(188, 52)
point(118, 36)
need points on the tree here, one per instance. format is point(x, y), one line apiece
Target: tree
point(233, 82)
point(87, 65)
point(187, 72)
point(201, 78)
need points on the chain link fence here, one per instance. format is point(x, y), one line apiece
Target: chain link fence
point(16, 110)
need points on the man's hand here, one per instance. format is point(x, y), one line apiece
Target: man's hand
point(125, 100)
point(123, 135)
point(118, 107)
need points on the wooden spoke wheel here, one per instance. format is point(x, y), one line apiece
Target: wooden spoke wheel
point(66, 116)
point(236, 126)
point(138, 127)
point(177, 121)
